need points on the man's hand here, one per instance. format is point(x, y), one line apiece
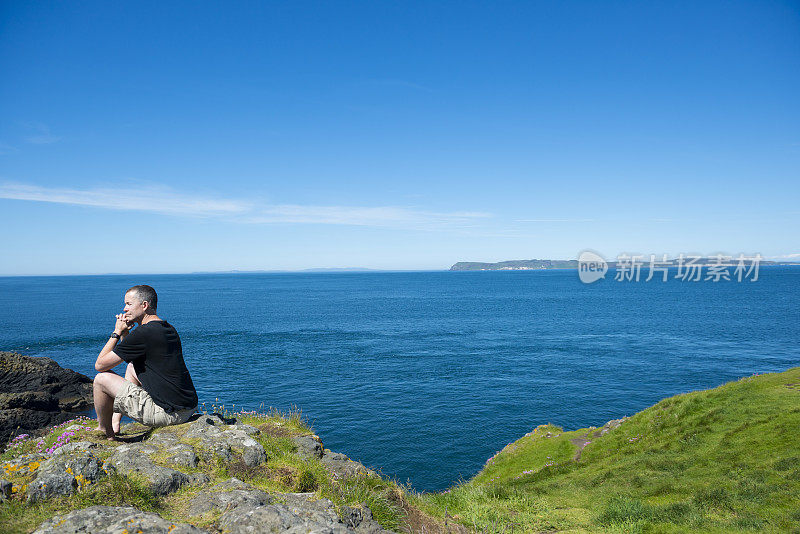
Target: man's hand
point(107, 359)
point(122, 326)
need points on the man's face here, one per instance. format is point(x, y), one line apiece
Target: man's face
point(134, 308)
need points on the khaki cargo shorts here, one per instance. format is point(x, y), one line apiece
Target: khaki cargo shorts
point(137, 404)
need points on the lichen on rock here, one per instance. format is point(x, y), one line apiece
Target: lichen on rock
point(224, 440)
point(64, 473)
point(113, 520)
point(135, 459)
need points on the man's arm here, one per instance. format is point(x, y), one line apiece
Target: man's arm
point(107, 359)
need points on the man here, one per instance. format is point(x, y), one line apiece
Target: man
point(157, 389)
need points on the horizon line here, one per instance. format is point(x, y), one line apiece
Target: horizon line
point(338, 270)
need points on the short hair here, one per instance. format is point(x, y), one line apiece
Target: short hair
point(145, 293)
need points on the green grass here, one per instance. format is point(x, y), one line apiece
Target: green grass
point(18, 517)
point(726, 459)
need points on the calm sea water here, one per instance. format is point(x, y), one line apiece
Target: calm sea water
point(426, 374)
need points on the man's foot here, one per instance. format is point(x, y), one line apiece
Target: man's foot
point(103, 433)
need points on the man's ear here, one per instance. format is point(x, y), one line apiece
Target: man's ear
point(145, 305)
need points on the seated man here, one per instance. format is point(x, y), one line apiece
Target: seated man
point(157, 389)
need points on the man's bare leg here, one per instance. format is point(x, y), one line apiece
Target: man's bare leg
point(105, 388)
point(130, 376)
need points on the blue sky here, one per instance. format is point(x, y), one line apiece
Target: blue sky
point(177, 137)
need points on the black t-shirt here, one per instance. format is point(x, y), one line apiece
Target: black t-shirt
point(155, 350)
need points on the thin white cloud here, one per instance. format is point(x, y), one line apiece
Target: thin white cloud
point(400, 83)
point(556, 220)
point(152, 199)
point(385, 216)
point(40, 134)
point(166, 201)
point(6, 149)
point(787, 257)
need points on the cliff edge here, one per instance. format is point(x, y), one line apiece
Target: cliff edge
point(722, 460)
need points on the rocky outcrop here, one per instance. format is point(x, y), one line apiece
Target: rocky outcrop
point(136, 460)
point(247, 509)
point(182, 457)
point(36, 393)
point(343, 467)
point(301, 513)
point(64, 473)
point(308, 446)
point(301, 516)
point(113, 520)
point(228, 495)
point(225, 440)
point(337, 463)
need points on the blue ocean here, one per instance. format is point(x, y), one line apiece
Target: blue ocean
point(425, 375)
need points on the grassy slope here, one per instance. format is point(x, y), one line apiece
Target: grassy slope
point(726, 459)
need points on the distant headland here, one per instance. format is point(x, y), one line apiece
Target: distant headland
point(514, 265)
point(529, 265)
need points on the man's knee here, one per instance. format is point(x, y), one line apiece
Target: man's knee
point(109, 382)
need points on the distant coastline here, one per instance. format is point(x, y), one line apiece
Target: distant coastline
point(514, 265)
point(530, 265)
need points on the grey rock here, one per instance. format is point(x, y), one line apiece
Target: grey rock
point(342, 466)
point(611, 425)
point(113, 520)
point(253, 454)
point(221, 440)
point(299, 513)
point(5, 489)
point(293, 500)
point(308, 447)
point(199, 478)
point(75, 446)
point(226, 496)
point(182, 455)
point(163, 439)
point(238, 439)
point(133, 459)
point(60, 474)
point(360, 519)
point(233, 483)
point(247, 429)
point(51, 485)
point(76, 463)
point(213, 419)
point(280, 518)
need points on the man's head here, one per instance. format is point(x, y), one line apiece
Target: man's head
point(140, 301)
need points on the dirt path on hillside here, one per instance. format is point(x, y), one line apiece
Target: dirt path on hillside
point(582, 441)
